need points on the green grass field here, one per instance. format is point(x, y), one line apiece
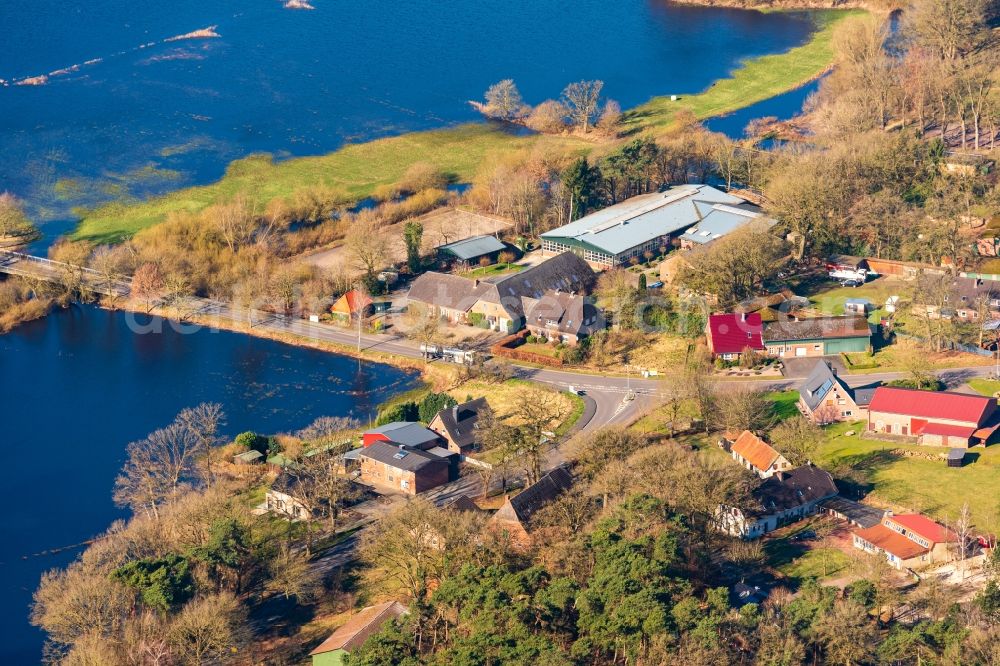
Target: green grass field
point(358, 168)
point(494, 270)
point(784, 403)
point(917, 484)
point(985, 386)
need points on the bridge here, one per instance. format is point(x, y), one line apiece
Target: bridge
point(39, 268)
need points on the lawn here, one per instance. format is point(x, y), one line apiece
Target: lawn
point(756, 80)
point(504, 398)
point(357, 169)
point(916, 484)
point(784, 403)
point(807, 558)
point(493, 270)
point(817, 563)
point(988, 387)
point(540, 348)
point(831, 301)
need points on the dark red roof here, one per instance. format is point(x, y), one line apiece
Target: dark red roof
point(924, 526)
point(945, 429)
point(931, 404)
point(732, 333)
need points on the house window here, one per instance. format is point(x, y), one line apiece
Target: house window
point(848, 413)
point(817, 347)
point(404, 484)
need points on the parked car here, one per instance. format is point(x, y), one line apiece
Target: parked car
point(851, 283)
point(804, 535)
point(655, 285)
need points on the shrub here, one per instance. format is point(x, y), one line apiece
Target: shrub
point(251, 440)
point(422, 176)
point(933, 384)
point(549, 117)
point(163, 583)
point(402, 411)
point(432, 404)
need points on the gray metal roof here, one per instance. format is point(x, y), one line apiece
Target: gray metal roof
point(399, 457)
point(719, 221)
point(407, 433)
point(470, 248)
point(860, 514)
point(643, 218)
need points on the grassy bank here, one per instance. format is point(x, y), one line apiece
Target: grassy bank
point(758, 79)
point(358, 169)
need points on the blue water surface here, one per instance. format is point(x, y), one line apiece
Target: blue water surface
point(80, 384)
point(149, 115)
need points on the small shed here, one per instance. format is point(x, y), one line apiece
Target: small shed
point(470, 251)
point(251, 457)
point(956, 457)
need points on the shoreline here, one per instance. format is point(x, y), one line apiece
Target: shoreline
point(357, 169)
point(431, 373)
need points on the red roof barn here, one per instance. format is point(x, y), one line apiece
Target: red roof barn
point(729, 334)
point(941, 418)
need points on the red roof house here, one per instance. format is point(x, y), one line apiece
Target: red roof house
point(351, 305)
point(908, 540)
point(935, 418)
point(729, 334)
point(924, 527)
point(757, 455)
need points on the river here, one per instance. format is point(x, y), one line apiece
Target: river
point(80, 384)
point(148, 115)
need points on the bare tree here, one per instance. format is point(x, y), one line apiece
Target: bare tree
point(236, 221)
point(155, 468)
point(112, 263)
point(536, 413)
point(798, 439)
point(744, 408)
point(14, 223)
point(321, 482)
point(204, 422)
point(368, 244)
point(964, 529)
point(147, 284)
point(582, 100)
point(504, 102)
point(208, 629)
point(418, 543)
point(291, 575)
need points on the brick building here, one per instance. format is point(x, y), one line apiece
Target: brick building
point(933, 418)
point(390, 467)
point(908, 541)
point(824, 397)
